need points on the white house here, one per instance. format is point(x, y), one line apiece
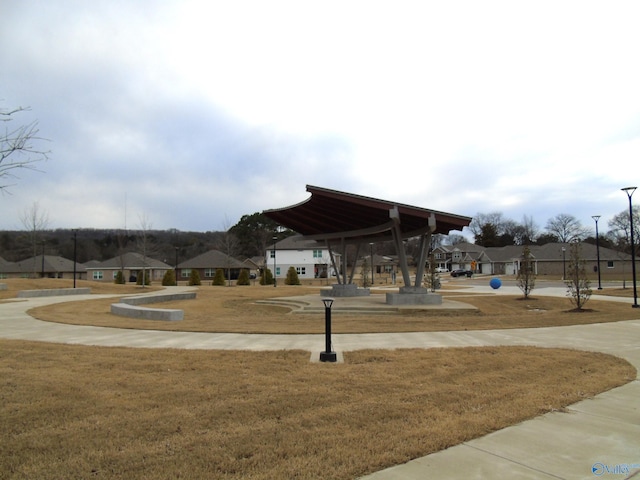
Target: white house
point(310, 258)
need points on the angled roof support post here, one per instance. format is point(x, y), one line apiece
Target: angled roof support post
point(397, 239)
point(425, 243)
point(333, 262)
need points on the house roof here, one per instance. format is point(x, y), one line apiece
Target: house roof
point(298, 242)
point(51, 263)
point(330, 214)
point(130, 261)
point(212, 259)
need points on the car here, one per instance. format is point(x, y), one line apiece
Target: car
point(440, 270)
point(461, 273)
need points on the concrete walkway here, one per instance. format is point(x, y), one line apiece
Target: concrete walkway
point(597, 437)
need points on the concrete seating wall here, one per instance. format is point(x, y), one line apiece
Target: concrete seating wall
point(130, 307)
point(53, 292)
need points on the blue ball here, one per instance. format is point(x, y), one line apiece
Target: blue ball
point(495, 283)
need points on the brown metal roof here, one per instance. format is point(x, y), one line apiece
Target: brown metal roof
point(330, 214)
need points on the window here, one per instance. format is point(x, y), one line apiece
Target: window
point(609, 263)
point(185, 273)
point(301, 270)
point(277, 271)
point(209, 272)
point(97, 275)
point(317, 254)
point(272, 254)
point(438, 256)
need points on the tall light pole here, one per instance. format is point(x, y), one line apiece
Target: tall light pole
point(275, 280)
point(75, 256)
point(564, 264)
point(175, 269)
point(596, 218)
point(42, 272)
point(629, 191)
point(371, 247)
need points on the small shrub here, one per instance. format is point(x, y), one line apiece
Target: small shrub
point(218, 279)
point(119, 280)
point(194, 278)
point(292, 277)
point(169, 279)
point(243, 278)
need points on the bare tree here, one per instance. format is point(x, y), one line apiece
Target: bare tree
point(567, 228)
point(578, 285)
point(620, 226)
point(35, 220)
point(229, 245)
point(480, 220)
point(526, 274)
point(145, 244)
point(18, 146)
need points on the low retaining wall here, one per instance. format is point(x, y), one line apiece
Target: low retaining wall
point(53, 292)
point(130, 307)
point(146, 313)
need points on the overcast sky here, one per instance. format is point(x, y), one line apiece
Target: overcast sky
point(191, 114)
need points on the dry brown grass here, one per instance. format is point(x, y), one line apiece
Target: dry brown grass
point(233, 309)
point(118, 413)
point(14, 285)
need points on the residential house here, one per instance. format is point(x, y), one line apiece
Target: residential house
point(207, 264)
point(42, 266)
point(548, 259)
point(131, 264)
point(310, 258)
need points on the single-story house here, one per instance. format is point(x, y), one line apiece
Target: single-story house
point(548, 259)
point(131, 264)
point(207, 263)
point(42, 266)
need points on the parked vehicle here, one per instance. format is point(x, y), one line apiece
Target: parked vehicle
point(461, 273)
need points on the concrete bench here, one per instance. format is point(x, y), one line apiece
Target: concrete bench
point(146, 313)
point(53, 292)
point(130, 307)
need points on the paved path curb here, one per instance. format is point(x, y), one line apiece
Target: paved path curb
point(597, 437)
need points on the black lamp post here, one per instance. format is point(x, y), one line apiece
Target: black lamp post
point(75, 255)
point(42, 272)
point(564, 264)
point(328, 355)
point(175, 270)
point(629, 191)
point(275, 279)
point(596, 218)
point(371, 245)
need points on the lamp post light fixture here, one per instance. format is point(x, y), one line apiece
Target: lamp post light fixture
point(596, 218)
point(629, 191)
point(328, 355)
point(564, 264)
point(275, 278)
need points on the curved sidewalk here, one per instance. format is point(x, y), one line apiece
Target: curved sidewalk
point(596, 437)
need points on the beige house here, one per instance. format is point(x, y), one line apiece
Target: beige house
point(131, 265)
point(42, 266)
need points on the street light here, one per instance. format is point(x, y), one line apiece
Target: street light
point(42, 273)
point(275, 280)
point(629, 191)
point(175, 269)
point(328, 355)
point(564, 264)
point(371, 245)
point(596, 218)
point(75, 251)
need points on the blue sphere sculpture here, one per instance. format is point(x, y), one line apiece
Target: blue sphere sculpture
point(495, 283)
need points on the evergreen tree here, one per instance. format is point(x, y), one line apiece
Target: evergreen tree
point(243, 278)
point(292, 277)
point(169, 279)
point(267, 277)
point(119, 280)
point(218, 279)
point(194, 278)
point(365, 272)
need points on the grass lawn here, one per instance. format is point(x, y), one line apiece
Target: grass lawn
point(70, 411)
